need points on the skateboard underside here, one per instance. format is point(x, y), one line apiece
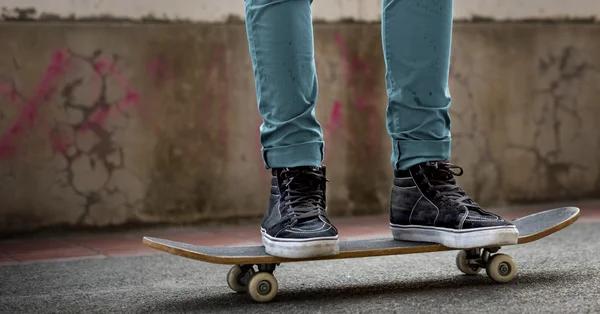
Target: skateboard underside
point(253, 270)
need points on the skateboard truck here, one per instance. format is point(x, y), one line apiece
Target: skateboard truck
point(480, 257)
point(499, 267)
point(261, 285)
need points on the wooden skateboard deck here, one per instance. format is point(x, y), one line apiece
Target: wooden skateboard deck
point(531, 228)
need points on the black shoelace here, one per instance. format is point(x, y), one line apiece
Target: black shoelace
point(303, 193)
point(440, 176)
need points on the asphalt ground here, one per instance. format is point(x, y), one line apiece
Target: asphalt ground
point(557, 274)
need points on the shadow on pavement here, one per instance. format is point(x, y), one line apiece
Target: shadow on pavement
point(457, 286)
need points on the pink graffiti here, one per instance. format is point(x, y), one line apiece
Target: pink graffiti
point(61, 62)
point(356, 71)
point(28, 113)
point(335, 119)
point(351, 65)
point(333, 123)
point(58, 141)
point(132, 98)
point(100, 116)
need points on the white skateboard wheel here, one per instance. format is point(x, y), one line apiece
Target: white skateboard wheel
point(501, 268)
point(263, 287)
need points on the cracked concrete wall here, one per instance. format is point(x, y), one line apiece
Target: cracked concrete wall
point(113, 124)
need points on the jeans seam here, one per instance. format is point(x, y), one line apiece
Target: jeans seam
point(390, 77)
point(388, 57)
point(253, 55)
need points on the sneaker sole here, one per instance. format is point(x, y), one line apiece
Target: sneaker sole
point(459, 239)
point(300, 248)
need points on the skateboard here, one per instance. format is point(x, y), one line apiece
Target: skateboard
point(253, 269)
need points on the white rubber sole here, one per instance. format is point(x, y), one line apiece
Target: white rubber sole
point(459, 239)
point(300, 248)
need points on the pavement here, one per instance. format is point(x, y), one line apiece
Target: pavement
point(113, 272)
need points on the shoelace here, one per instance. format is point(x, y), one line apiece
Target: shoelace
point(441, 178)
point(303, 193)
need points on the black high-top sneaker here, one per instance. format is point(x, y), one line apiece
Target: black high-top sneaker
point(428, 206)
point(296, 223)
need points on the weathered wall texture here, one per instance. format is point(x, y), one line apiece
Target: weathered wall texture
point(108, 124)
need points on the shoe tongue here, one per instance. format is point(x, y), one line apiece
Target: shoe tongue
point(437, 171)
point(301, 177)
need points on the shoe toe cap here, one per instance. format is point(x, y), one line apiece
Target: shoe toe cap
point(311, 230)
point(481, 223)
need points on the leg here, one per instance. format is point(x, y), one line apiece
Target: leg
point(416, 38)
point(280, 38)
point(426, 204)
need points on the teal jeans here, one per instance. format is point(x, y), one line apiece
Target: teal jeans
point(416, 38)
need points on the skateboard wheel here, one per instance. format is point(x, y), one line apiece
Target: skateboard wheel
point(501, 268)
point(262, 287)
point(238, 282)
point(463, 265)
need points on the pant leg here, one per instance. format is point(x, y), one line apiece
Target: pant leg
point(416, 37)
point(280, 38)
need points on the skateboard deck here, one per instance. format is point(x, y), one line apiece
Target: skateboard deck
point(531, 228)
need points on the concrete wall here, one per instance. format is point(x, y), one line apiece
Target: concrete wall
point(106, 124)
point(324, 10)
